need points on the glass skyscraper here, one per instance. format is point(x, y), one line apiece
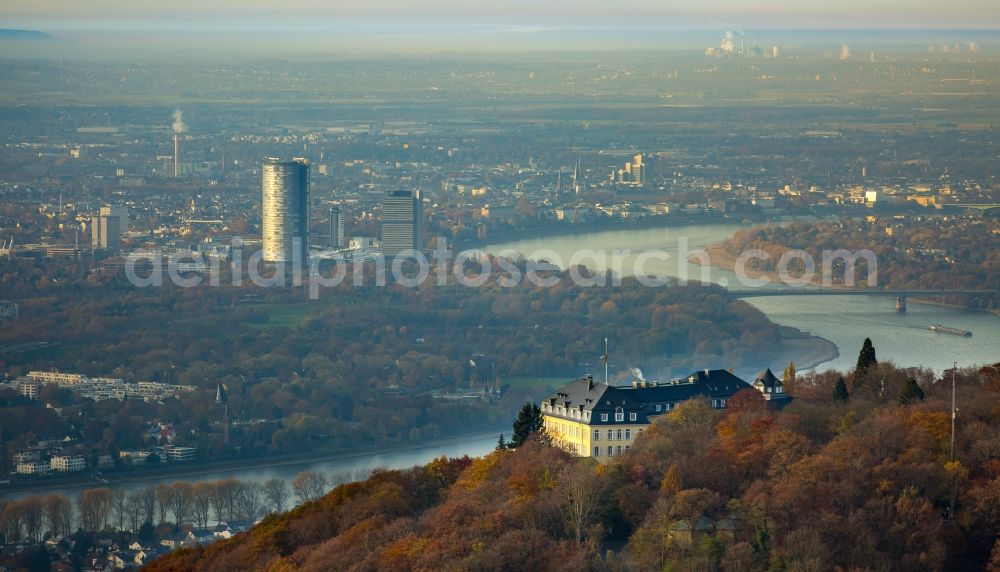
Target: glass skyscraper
point(401, 225)
point(336, 228)
point(285, 209)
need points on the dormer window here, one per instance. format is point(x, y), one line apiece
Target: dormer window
point(619, 415)
point(604, 417)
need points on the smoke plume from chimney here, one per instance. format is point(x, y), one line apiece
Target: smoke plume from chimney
point(179, 126)
point(728, 46)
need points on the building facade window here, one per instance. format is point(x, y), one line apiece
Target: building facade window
point(597, 451)
point(619, 415)
point(611, 450)
point(597, 434)
point(611, 434)
point(604, 417)
point(619, 435)
point(632, 416)
point(618, 451)
point(628, 434)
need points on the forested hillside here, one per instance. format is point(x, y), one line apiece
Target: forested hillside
point(356, 366)
point(855, 474)
point(941, 252)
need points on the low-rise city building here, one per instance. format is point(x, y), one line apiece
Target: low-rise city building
point(97, 388)
point(68, 463)
point(175, 454)
point(33, 468)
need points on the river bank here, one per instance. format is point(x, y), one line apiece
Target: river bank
point(842, 321)
point(720, 258)
point(807, 351)
point(568, 228)
point(224, 469)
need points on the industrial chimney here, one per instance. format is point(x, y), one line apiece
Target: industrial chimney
point(179, 127)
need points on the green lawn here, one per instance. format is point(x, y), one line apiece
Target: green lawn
point(287, 315)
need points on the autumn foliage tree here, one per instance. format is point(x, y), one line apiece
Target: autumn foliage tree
point(819, 484)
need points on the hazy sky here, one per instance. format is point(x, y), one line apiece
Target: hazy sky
point(512, 15)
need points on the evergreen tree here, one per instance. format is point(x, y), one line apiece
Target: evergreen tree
point(529, 420)
point(866, 358)
point(911, 392)
point(501, 444)
point(840, 390)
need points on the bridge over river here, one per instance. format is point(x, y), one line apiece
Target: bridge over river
point(900, 295)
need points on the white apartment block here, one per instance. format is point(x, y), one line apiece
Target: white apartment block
point(56, 377)
point(27, 456)
point(98, 388)
point(175, 454)
point(33, 468)
point(68, 463)
point(133, 458)
point(27, 388)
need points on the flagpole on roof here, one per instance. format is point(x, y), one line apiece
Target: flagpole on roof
point(605, 361)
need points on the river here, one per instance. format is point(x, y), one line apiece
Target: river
point(347, 466)
point(843, 320)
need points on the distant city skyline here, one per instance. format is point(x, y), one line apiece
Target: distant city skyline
point(387, 16)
